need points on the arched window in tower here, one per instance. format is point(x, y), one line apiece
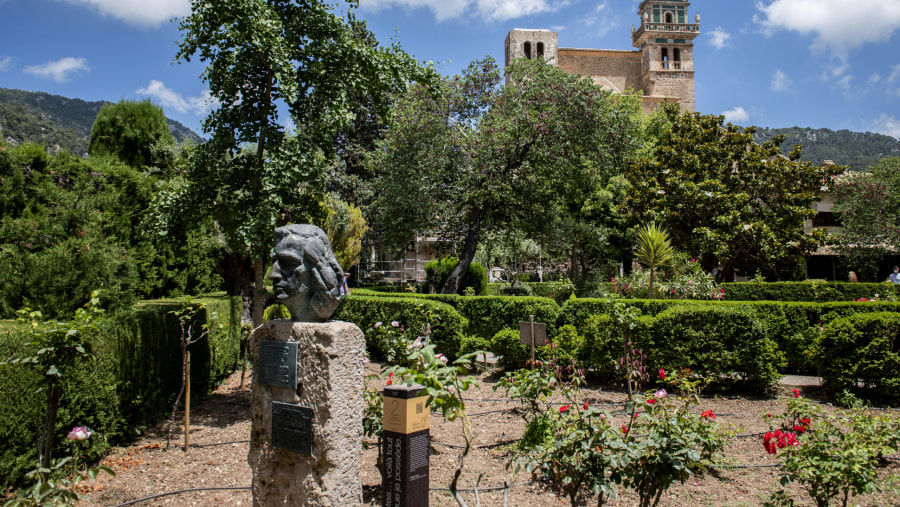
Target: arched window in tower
point(528, 50)
point(664, 57)
point(540, 49)
point(670, 18)
point(676, 57)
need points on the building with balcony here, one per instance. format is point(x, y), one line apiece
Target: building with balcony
point(661, 66)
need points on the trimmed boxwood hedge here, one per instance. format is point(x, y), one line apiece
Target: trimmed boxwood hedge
point(709, 340)
point(807, 291)
point(130, 384)
point(486, 315)
point(861, 348)
point(446, 323)
point(793, 326)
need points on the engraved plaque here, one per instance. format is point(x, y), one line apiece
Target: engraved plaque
point(540, 333)
point(277, 363)
point(292, 428)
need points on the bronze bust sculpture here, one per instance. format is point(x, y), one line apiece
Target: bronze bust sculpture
point(306, 275)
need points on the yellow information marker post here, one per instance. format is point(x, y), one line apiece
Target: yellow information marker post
point(405, 446)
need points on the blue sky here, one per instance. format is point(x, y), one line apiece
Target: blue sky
point(772, 63)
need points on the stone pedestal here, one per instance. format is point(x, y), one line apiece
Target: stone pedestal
point(330, 382)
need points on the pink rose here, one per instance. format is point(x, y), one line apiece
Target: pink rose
point(79, 433)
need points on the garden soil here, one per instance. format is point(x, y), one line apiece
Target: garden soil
point(220, 431)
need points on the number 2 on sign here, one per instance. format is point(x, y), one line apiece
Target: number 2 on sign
point(396, 408)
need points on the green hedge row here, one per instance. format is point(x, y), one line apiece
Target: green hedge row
point(751, 339)
point(486, 315)
point(413, 313)
point(807, 291)
point(130, 384)
point(724, 343)
point(861, 351)
point(793, 326)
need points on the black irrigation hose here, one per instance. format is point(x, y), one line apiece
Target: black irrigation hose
point(220, 443)
point(492, 488)
point(180, 491)
point(475, 447)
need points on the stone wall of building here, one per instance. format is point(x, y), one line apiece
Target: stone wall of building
point(678, 86)
point(614, 70)
point(516, 40)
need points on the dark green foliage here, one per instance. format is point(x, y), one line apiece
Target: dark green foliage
point(516, 289)
point(709, 340)
point(712, 341)
point(447, 325)
point(128, 130)
point(473, 343)
point(861, 348)
point(486, 315)
point(438, 270)
point(489, 314)
point(69, 226)
point(128, 386)
point(855, 149)
point(806, 291)
point(508, 344)
point(792, 326)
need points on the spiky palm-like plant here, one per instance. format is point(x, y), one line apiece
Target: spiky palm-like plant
point(653, 249)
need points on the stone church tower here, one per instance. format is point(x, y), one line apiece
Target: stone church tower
point(662, 66)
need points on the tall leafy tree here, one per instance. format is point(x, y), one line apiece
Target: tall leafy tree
point(466, 156)
point(128, 130)
point(725, 199)
point(265, 58)
point(869, 207)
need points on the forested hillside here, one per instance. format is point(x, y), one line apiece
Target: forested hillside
point(57, 122)
point(857, 149)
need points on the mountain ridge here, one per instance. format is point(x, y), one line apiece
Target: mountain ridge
point(59, 122)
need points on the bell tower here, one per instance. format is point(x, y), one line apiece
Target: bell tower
point(665, 40)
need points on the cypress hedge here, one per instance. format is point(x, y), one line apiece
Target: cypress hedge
point(131, 382)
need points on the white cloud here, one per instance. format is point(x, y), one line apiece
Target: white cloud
point(838, 25)
point(780, 81)
point(719, 37)
point(874, 79)
point(736, 115)
point(147, 13)
point(893, 80)
point(887, 125)
point(170, 98)
point(601, 19)
point(5, 63)
point(844, 82)
point(490, 10)
point(59, 70)
point(895, 74)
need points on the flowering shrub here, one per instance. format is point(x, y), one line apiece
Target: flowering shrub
point(835, 455)
point(580, 449)
point(668, 443)
point(772, 441)
point(54, 486)
point(684, 279)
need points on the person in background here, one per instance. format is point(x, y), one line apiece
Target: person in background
point(345, 289)
point(895, 276)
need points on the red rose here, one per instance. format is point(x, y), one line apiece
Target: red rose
point(662, 374)
point(652, 401)
point(796, 392)
point(563, 408)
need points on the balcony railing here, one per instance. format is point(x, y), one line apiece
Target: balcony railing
point(671, 65)
point(666, 27)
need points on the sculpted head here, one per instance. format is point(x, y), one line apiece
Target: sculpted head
point(305, 274)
